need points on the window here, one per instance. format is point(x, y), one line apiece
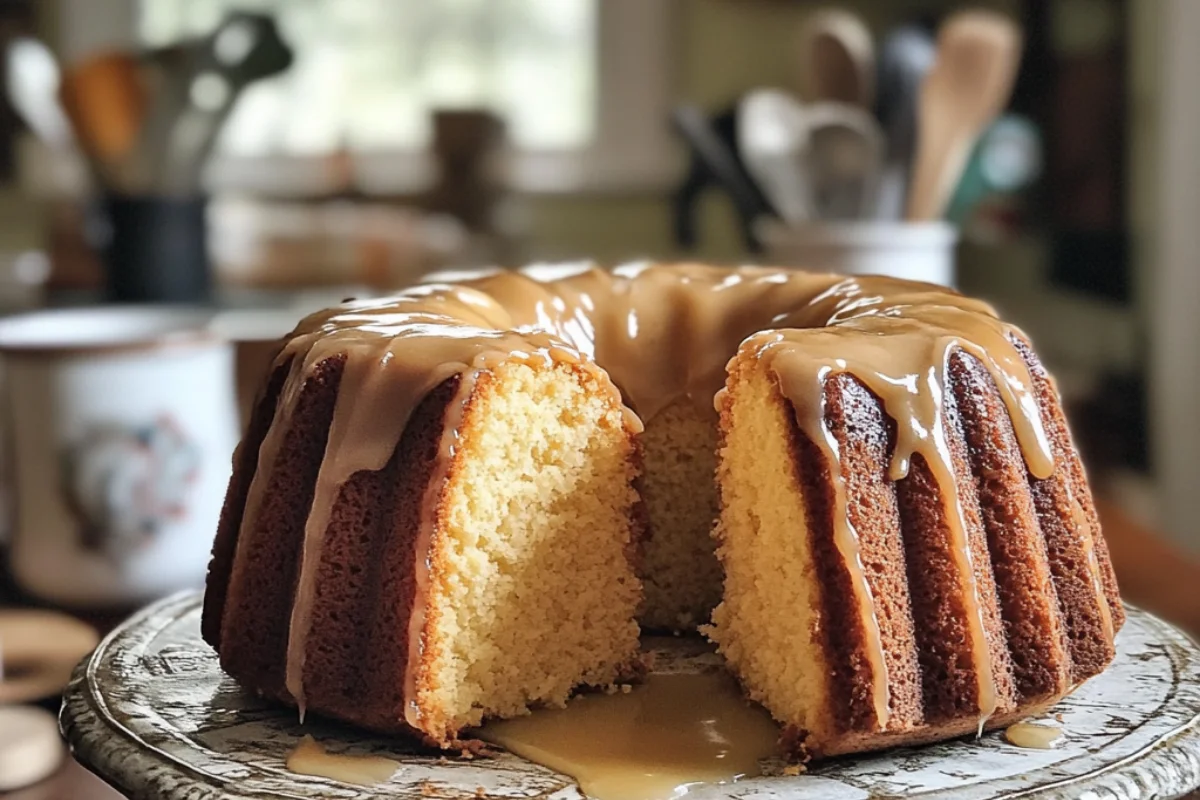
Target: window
point(582, 84)
point(367, 73)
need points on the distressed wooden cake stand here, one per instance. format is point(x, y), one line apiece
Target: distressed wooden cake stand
point(152, 713)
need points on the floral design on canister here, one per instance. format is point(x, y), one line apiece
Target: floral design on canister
point(125, 484)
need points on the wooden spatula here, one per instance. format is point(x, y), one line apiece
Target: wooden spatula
point(969, 84)
point(104, 99)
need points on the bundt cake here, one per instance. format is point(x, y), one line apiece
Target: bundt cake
point(446, 506)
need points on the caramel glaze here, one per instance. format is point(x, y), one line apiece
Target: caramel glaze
point(651, 743)
point(1034, 735)
point(309, 757)
point(654, 334)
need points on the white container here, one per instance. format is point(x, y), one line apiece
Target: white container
point(123, 424)
point(922, 251)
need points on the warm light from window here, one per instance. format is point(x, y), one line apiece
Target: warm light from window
point(368, 73)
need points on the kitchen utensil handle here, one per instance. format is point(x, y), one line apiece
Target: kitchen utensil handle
point(694, 126)
point(940, 163)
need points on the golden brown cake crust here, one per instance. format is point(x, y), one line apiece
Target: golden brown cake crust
point(267, 551)
point(1029, 605)
point(951, 663)
point(245, 463)
point(1032, 642)
point(1078, 557)
point(358, 642)
point(855, 419)
point(360, 647)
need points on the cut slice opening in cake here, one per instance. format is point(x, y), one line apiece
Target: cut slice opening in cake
point(534, 590)
point(679, 568)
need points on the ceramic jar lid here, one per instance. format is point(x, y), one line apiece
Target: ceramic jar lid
point(30, 747)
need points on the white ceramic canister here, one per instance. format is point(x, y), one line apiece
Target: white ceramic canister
point(120, 426)
point(922, 251)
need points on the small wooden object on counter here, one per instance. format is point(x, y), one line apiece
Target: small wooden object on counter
point(38, 650)
point(30, 747)
point(466, 143)
point(968, 86)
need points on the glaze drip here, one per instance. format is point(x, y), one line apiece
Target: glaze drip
point(653, 334)
point(811, 419)
point(310, 758)
point(1082, 528)
point(1034, 735)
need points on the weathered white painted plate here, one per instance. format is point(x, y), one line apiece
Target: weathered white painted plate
point(153, 714)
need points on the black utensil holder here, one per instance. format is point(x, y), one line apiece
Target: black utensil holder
point(155, 249)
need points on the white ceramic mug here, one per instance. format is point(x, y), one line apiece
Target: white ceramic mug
point(121, 425)
point(918, 251)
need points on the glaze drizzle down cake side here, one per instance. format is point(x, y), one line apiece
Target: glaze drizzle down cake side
point(422, 472)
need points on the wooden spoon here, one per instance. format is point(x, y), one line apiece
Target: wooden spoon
point(38, 651)
point(104, 99)
point(967, 87)
point(837, 58)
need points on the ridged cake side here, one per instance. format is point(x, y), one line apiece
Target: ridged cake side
point(245, 464)
point(358, 644)
point(862, 435)
point(1083, 574)
point(679, 569)
point(267, 540)
point(366, 600)
point(1026, 578)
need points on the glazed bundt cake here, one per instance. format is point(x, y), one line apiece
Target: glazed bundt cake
point(459, 502)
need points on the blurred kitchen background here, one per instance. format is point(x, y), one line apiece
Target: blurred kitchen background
point(384, 140)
